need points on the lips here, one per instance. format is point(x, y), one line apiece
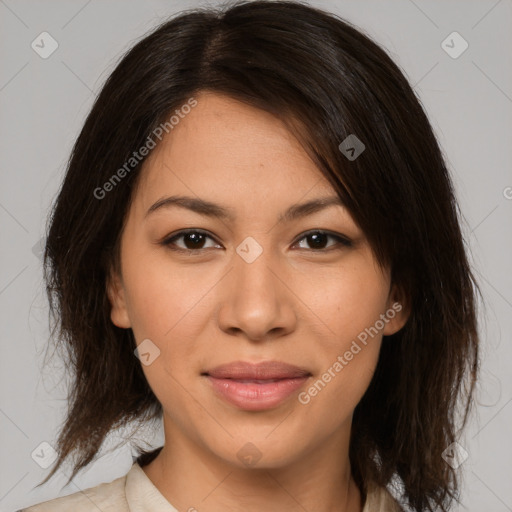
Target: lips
point(268, 370)
point(256, 387)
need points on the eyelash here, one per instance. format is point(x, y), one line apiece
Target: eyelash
point(169, 242)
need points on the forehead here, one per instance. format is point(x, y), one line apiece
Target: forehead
point(224, 144)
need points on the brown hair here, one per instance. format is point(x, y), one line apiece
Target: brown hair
point(326, 80)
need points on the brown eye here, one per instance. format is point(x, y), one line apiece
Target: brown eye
point(318, 240)
point(193, 240)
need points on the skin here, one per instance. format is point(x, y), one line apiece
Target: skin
point(295, 303)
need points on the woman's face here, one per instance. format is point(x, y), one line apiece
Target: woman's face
point(252, 285)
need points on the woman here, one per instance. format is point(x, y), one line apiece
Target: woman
point(187, 278)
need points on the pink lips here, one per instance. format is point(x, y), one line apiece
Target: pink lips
point(256, 387)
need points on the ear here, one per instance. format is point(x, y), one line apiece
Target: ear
point(398, 311)
point(117, 297)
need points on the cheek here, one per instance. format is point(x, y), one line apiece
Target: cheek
point(348, 357)
point(348, 373)
point(170, 306)
point(344, 302)
point(332, 396)
point(162, 297)
point(165, 307)
point(349, 305)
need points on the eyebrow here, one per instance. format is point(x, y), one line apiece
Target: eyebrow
point(214, 210)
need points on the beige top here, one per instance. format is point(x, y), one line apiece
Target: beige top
point(135, 492)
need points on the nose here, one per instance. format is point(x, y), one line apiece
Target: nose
point(256, 302)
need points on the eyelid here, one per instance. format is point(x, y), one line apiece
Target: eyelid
point(342, 240)
point(168, 240)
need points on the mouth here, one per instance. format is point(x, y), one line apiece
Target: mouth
point(256, 387)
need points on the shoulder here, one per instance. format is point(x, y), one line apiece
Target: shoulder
point(379, 499)
point(107, 497)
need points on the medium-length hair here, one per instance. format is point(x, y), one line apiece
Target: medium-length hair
point(326, 80)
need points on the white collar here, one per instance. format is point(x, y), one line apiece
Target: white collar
point(142, 495)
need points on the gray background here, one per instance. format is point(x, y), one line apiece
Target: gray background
point(44, 103)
